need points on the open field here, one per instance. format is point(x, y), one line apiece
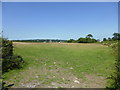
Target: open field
point(62, 65)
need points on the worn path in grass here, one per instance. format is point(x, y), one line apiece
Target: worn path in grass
point(58, 65)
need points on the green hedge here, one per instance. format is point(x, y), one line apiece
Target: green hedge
point(115, 77)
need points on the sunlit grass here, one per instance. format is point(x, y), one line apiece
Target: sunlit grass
point(78, 58)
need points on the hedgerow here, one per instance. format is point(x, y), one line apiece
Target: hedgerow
point(115, 77)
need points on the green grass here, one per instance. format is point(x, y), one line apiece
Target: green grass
point(83, 58)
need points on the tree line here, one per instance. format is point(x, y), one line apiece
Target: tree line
point(88, 39)
point(40, 40)
point(116, 36)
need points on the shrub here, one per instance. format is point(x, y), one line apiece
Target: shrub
point(116, 75)
point(71, 41)
point(9, 60)
point(7, 48)
point(13, 62)
point(86, 40)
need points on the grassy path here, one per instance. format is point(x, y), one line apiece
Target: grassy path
point(62, 65)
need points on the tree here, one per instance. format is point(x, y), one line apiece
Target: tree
point(82, 40)
point(71, 40)
point(109, 39)
point(104, 39)
point(86, 40)
point(116, 36)
point(89, 36)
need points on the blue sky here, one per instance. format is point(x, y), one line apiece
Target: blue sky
point(59, 20)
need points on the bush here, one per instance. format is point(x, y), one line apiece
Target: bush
point(116, 75)
point(71, 41)
point(7, 48)
point(9, 60)
point(86, 40)
point(13, 62)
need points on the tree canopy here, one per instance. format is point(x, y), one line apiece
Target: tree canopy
point(89, 36)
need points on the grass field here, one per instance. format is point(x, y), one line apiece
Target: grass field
point(62, 65)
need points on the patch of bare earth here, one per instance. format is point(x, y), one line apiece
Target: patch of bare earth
point(54, 76)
